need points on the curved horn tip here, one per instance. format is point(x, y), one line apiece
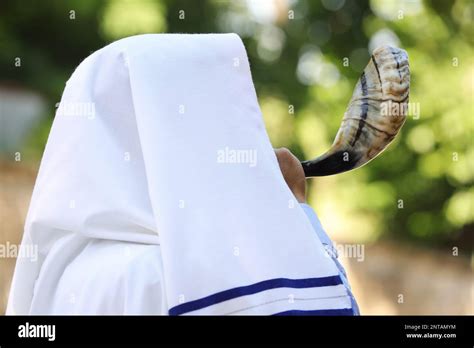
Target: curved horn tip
point(330, 164)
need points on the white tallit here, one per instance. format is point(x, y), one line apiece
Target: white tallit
point(159, 141)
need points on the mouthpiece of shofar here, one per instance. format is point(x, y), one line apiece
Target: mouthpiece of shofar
point(374, 116)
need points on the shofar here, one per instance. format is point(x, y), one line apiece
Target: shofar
point(374, 116)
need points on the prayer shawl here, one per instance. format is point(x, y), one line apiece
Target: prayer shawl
point(159, 142)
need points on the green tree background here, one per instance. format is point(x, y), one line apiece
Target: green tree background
point(419, 190)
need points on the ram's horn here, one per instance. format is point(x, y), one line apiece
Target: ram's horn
point(374, 116)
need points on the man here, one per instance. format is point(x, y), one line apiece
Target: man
point(134, 211)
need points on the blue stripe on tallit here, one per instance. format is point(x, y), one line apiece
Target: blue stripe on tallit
point(253, 289)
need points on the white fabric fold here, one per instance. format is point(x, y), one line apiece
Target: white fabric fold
point(159, 139)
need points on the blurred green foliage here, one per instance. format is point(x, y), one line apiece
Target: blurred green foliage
point(305, 57)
